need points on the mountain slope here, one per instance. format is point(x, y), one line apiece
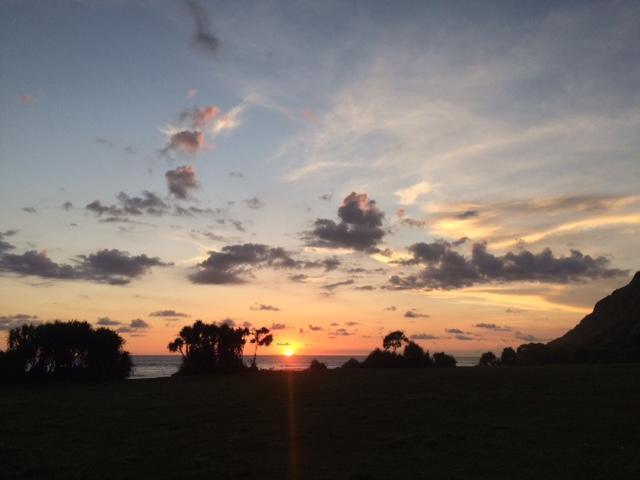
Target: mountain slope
point(613, 326)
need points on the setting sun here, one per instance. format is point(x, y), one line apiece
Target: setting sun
point(288, 352)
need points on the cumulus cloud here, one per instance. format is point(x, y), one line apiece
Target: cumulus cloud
point(359, 228)
point(112, 266)
point(264, 307)
point(203, 38)
point(408, 196)
point(181, 181)
point(167, 313)
point(138, 323)
point(315, 328)
point(149, 203)
point(445, 268)
point(233, 263)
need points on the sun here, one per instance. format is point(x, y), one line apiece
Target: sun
point(288, 352)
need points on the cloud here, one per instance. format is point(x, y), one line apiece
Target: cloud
point(264, 307)
point(527, 337)
point(315, 328)
point(278, 326)
point(107, 322)
point(8, 322)
point(181, 181)
point(6, 246)
point(444, 268)
point(392, 308)
point(492, 326)
point(149, 203)
point(351, 324)
point(408, 196)
point(454, 331)
point(113, 266)
point(253, 203)
point(192, 92)
point(203, 38)
point(360, 226)
point(464, 338)
point(333, 286)
point(236, 174)
point(184, 141)
point(30, 210)
point(423, 336)
point(413, 313)
point(199, 118)
point(167, 313)
point(68, 206)
point(326, 197)
point(139, 323)
point(233, 263)
point(468, 214)
point(26, 99)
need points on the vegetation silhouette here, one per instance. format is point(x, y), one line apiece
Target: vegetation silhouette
point(488, 359)
point(71, 351)
point(413, 355)
point(210, 348)
point(260, 337)
point(316, 366)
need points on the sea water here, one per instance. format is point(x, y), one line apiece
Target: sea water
point(155, 366)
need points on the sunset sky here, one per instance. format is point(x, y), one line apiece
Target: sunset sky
point(467, 172)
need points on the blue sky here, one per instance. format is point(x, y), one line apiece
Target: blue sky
point(511, 124)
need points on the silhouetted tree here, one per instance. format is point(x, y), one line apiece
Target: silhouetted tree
point(65, 350)
point(508, 357)
point(441, 359)
point(209, 348)
point(351, 363)
point(535, 354)
point(316, 365)
point(261, 338)
point(394, 340)
point(414, 356)
point(488, 359)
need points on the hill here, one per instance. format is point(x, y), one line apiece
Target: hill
point(612, 329)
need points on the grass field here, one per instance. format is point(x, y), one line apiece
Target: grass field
point(525, 423)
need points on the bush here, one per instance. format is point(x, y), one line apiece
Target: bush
point(488, 359)
point(315, 365)
point(351, 363)
point(64, 351)
point(441, 359)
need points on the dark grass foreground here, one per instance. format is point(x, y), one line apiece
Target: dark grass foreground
point(546, 422)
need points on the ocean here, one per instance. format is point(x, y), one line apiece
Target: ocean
point(156, 366)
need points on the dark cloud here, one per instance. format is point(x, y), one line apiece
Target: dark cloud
point(298, 277)
point(464, 338)
point(138, 323)
point(203, 38)
point(167, 313)
point(326, 197)
point(333, 286)
point(351, 324)
point(341, 332)
point(234, 263)
point(367, 288)
point(392, 308)
point(359, 228)
point(315, 328)
point(264, 307)
point(444, 268)
point(6, 246)
point(253, 203)
point(492, 326)
point(236, 174)
point(30, 210)
point(68, 206)
point(149, 203)
point(7, 322)
point(105, 266)
point(467, 214)
point(526, 337)
point(278, 326)
point(107, 322)
point(423, 336)
point(182, 181)
point(413, 313)
point(454, 331)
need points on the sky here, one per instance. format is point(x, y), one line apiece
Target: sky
point(467, 172)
